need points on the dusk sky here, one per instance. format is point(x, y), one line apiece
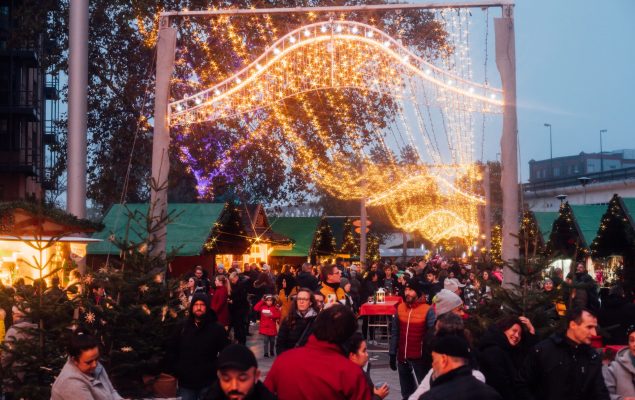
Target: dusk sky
point(576, 71)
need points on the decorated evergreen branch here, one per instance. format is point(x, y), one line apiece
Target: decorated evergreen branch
point(565, 239)
point(350, 242)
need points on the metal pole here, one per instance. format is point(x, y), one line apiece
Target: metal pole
point(77, 99)
point(166, 43)
point(506, 63)
point(550, 151)
point(338, 9)
point(362, 231)
point(601, 151)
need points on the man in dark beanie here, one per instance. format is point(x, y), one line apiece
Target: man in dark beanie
point(194, 349)
point(320, 370)
point(452, 374)
point(238, 376)
point(407, 338)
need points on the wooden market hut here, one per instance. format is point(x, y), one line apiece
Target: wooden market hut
point(38, 241)
point(312, 239)
point(262, 238)
point(573, 231)
point(197, 234)
point(615, 239)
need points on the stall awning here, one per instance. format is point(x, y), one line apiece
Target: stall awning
point(545, 223)
point(300, 229)
point(187, 232)
point(73, 239)
point(589, 218)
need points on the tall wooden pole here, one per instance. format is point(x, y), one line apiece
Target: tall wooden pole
point(166, 44)
point(506, 63)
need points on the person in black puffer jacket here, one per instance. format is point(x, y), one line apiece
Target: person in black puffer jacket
point(502, 351)
point(194, 348)
point(295, 329)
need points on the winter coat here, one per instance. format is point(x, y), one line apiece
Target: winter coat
point(220, 305)
point(294, 374)
point(332, 294)
point(620, 376)
point(72, 383)
point(268, 317)
point(459, 384)
point(295, 330)
point(239, 304)
point(260, 393)
point(193, 350)
point(556, 369)
point(307, 280)
point(424, 386)
point(408, 331)
point(286, 301)
point(615, 316)
point(499, 361)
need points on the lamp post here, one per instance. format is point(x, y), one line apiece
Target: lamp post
point(550, 150)
point(601, 151)
point(584, 180)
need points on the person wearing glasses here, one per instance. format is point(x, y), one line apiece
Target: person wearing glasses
point(331, 277)
point(296, 328)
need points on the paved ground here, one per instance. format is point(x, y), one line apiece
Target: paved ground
point(380, 370)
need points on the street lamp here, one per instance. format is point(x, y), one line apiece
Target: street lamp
point(601, 152)
point(584, 180)
point(550, 149)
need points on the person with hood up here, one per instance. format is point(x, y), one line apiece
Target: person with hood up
point(502, 352)
point(620, 374)
point(194, 348)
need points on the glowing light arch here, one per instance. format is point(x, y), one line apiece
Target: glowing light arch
point(253, 88)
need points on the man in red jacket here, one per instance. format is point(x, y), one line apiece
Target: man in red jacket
point(319, 370)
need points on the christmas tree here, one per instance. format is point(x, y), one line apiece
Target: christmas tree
point(350, 243)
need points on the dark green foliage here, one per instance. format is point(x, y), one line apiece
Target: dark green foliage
point(324, 243)
point(350, 243)
point(565, 239)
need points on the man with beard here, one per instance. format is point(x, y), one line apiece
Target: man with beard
point(407, 338)
point(238, 376)
point(194, 349)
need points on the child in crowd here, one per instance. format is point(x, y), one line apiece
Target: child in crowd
point(269, 315)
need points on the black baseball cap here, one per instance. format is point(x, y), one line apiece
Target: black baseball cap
point(452, 345)
point(236, 356)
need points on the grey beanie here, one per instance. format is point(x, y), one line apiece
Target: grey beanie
point(446, 301)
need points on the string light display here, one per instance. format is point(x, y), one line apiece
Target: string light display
point(435, 192)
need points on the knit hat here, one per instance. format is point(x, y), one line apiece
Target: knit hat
point(630, 330)
point(446, 301)
point(344, 282)
point(236, 356)
point(415, 285)
point(452, 284)
point(452, 345)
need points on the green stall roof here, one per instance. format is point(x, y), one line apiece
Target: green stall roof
point(190, 228)
point(545, 220)
point(300, 229)
point(629, 204)
point(589, 218)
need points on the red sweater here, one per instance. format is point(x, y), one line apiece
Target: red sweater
point(317, 371)
point(220, 306)
point(267, 320)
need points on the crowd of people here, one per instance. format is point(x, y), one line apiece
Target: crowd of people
point(311, 313)
point(308, 320)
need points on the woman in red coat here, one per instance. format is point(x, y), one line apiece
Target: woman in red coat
point(220, 295)
point(269, 315)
